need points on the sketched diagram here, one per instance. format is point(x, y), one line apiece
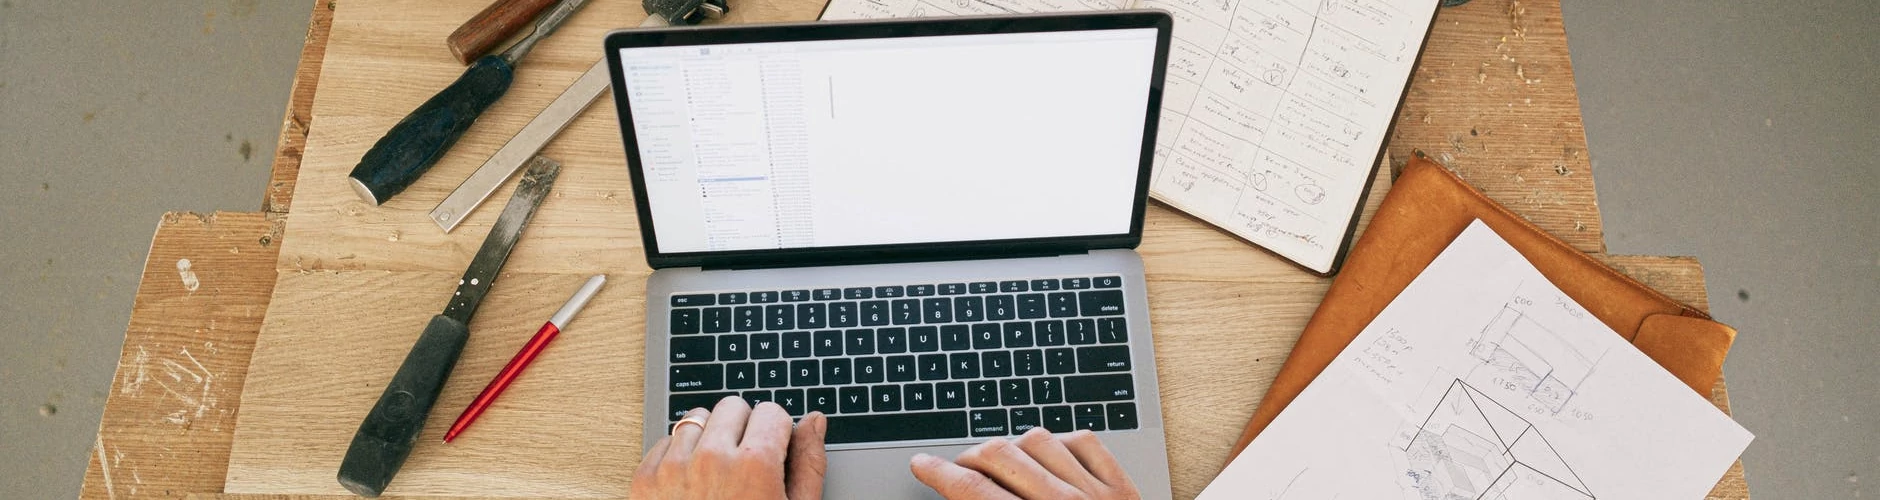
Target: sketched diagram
point(1531, 359)
point(1470, 447)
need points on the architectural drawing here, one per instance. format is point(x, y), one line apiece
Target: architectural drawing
point(1512, 345)
point(1471, 447)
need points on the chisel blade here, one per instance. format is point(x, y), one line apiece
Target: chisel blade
point(502, 238)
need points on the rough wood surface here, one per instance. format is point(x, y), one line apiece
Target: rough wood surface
point(1493, 98)
point(171, 411)
point(299, 116)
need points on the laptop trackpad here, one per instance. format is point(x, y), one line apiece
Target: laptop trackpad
point(880, 473)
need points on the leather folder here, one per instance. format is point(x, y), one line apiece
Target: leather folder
point(1428, 206)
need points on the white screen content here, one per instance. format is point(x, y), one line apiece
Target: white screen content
point(890, 141)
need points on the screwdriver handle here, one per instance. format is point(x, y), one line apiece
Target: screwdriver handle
point(418, 141)
point(384, 440)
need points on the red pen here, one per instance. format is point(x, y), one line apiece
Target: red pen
point(523, 358)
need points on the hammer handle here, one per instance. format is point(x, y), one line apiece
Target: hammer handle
point(498, 22)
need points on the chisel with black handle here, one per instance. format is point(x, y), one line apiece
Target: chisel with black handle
point(421, 138)
point(388, 433)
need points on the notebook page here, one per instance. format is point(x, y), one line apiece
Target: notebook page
point(886, 9)
point(1275, 110)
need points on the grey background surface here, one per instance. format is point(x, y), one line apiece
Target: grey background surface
point(1744, 133)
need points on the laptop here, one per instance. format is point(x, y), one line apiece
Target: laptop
point(924, 229)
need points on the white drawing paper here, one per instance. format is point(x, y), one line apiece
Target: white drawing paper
point(1481, 380)
point(1273, 111)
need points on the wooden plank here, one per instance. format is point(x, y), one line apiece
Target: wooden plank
point(170, 415)
point(298, 119)
point(1493, 98)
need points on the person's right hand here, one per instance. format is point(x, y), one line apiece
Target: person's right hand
point(1038, 465)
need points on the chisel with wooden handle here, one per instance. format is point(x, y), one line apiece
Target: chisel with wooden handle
point(418, 141)
point(489, 28)
point(384, 440)
point(590, 86)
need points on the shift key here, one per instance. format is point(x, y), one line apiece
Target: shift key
point(1087, 388)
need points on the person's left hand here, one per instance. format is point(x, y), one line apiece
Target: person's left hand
point(739, 453)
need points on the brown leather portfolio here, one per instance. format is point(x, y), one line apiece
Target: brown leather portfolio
point(1426, 208)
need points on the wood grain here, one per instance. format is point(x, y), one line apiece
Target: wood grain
point(170, 415)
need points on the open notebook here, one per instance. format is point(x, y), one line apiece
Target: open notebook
point(1275, 111)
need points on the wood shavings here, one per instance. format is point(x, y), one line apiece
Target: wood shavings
point(1521, 72)
point(1515, 11)
point(1562, 170)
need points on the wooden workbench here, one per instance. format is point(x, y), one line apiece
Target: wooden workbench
point(1493, 98)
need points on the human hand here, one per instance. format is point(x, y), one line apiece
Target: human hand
point(1038, 465)
point(740, 453)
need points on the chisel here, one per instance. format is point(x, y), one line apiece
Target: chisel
point(482, 33)
point(418, 141)
point(384, 440)
point(590, 86)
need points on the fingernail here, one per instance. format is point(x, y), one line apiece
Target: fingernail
point(922, 458)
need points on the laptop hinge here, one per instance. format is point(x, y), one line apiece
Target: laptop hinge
point(885, 259)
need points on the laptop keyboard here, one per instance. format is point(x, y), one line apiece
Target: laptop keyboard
point(916, 361)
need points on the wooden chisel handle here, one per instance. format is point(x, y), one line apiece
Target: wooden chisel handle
point(496, 23)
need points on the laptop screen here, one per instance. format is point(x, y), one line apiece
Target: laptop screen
point(890, 141)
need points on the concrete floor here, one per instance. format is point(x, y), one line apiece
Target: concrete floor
point(1744, 133)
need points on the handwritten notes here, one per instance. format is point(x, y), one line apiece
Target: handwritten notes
point(1483, 380)
point(1274, 111)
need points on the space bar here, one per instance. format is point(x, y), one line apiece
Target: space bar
point(895, 427)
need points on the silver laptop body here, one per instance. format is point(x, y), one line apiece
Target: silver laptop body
point(1040, 318)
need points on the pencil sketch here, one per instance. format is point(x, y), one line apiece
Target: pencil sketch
point(1471, 446)
point(1523, 355)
